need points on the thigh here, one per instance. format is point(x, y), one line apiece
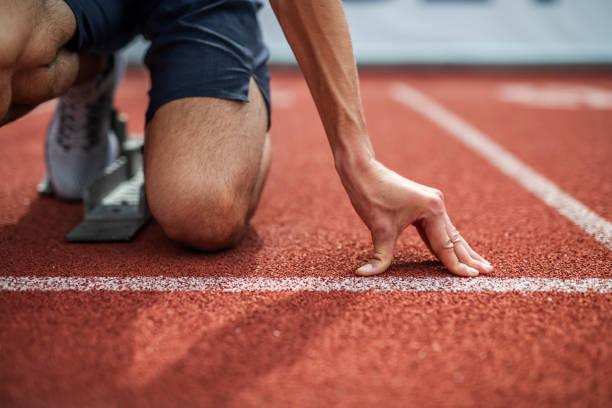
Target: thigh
point(206, 154)
point(201, 48)
point(203, 159)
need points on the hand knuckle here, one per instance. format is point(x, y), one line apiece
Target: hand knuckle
point(435, 203)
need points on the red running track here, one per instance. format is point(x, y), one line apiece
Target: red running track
point(338, 348)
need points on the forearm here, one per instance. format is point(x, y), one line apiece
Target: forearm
point(318, 34)
point(386, 202)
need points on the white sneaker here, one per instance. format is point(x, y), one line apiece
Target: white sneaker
point(80, 142)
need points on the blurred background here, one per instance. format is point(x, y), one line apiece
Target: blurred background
point(462, 32)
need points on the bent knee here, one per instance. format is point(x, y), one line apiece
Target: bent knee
point(206, 232)
point(207, 222)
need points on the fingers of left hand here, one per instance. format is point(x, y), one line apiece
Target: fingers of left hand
point(445, 249)
point(464, 253)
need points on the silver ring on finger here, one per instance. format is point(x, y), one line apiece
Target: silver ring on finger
point(449, 245)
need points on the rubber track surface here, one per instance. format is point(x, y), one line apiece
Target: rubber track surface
point(338, 348)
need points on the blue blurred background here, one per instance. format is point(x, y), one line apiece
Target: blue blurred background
point(463, 32)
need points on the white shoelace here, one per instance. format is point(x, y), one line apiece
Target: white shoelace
point(82, 110)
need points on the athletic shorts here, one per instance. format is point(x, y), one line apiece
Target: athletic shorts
point(198, 47)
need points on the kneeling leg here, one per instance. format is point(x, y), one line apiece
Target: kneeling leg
point(206, 160)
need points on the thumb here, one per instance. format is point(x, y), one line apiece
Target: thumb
point(381, 259)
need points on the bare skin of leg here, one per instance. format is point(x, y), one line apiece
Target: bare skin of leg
point(206, 161)
point(35, 66)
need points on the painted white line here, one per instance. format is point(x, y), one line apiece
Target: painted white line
point(508, 164)
point(556, 96)
point(307, 284)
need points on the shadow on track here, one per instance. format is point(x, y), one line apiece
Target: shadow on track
point(219, 364)
point(35, 246)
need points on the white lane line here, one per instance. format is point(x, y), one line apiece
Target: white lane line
point(556, 96)
point(508, 164)
point(307, 284)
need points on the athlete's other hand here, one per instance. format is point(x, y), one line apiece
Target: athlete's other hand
point(388, 203)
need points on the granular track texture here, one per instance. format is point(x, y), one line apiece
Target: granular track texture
point(341, 349)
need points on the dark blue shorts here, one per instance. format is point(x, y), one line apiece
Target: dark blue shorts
point(198, 47)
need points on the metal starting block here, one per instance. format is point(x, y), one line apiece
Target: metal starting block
point(114, 204)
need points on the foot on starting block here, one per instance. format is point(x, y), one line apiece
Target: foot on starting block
point(114, 204)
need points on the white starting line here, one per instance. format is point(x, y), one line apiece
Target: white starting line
point(306, 284)
point(506, 162)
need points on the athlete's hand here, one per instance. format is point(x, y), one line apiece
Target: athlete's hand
point(388, 203)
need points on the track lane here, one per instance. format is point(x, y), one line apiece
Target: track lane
point(570, 144)
point(511, 227)
point(504, 161)
point(305, 349)
point(305, 225)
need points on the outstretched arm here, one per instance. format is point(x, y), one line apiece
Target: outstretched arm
point(386, 202)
